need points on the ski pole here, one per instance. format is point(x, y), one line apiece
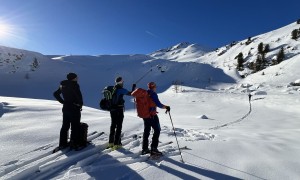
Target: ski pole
point(175, 136)
point(250, 95)
point(143, 76)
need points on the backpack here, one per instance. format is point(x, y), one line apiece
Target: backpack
point(109, 98)
point(83, 131)
point(143, 103)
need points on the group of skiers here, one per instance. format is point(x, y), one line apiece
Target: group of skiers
point(72, 105)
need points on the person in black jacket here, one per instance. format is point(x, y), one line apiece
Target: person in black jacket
point(72, 106)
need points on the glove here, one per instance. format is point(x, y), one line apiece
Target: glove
point(168, 108)
point(133, 87)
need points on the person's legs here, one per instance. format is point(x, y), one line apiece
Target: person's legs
point(75, 127)
point(147, 129)
point(156, 127)
point(119, 122)
point(112, 127)
point(63, 138)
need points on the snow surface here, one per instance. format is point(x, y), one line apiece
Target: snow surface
point(222, 135)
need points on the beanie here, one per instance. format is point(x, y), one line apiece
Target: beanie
point(71, 76)
point(151, 85)
point(119, 80)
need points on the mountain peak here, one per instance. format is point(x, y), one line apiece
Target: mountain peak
point(181, 45)
point(181, 50)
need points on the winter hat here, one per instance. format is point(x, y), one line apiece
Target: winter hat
point(119, 80)
point(71, 76)
point(151, 85)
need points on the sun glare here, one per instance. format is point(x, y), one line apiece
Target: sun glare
point(5, 30)
point(11, 35)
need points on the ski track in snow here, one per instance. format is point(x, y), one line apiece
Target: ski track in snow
point(233, 122)
point(129, 156)
point(66, 162)
point(13, 165)
point(23, 169)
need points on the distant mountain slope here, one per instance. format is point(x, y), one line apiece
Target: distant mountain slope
point(225, 57)
point(17, 60)
point(96, 72)
point(184, 64)
point(181, 52)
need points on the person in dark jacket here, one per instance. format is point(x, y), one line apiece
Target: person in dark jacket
point(72, 106)
point(153, 122)
point(117, 114)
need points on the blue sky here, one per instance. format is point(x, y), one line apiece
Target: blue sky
point(92, 27)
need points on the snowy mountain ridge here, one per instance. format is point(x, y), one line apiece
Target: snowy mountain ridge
point(14, 60)
point(226, 57)
point(184, 63)
point(181, 50)
point(221, 131)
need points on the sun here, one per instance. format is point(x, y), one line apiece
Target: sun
point(5, 30)
point(11, 35)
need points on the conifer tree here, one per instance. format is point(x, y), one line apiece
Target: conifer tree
point(294, 34)
point(258, 63)
point(248, 41)
point(240, 61)
point(280, 55)
point(267, 48)
point(260, 48)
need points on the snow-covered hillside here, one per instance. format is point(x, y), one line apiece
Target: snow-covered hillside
point(225, 57)
point(226, 134)
point(283, 73)
point(226, 137)
point(96, 72)
point(183, 50)
point(185, 63)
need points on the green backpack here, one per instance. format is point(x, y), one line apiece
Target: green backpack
point(109, 99)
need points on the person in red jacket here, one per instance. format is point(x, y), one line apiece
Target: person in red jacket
point(153, 122)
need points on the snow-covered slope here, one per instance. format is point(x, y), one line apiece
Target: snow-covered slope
point(184, 63)
point(96, 72)
point(226, 135)
point(235, 140)
point(181, 52)
point(225, 57)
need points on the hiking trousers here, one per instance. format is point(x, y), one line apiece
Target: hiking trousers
point(117, 116)
point(148, 123)
point(70, 118)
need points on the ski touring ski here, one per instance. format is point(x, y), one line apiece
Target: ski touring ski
point(33, 166)
point(90, 137)
point(155, 157)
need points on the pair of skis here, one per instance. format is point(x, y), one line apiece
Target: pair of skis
point(158, 156)
point(90, 137)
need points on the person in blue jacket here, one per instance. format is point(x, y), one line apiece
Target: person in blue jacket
point(117, 114)
point(153, 122)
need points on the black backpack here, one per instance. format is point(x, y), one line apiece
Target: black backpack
point(109, 99)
